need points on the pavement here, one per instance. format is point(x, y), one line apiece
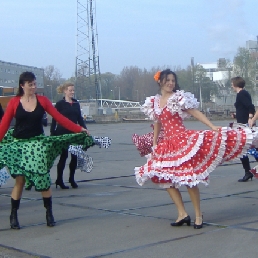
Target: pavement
point(109, 215)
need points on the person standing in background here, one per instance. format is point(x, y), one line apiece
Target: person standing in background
point(70, 108)
point(244, 113)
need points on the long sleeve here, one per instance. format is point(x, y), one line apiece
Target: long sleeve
point(62, 120)
point(8, 116)
point(244, 106)
point(247, 103)
point(1, 112)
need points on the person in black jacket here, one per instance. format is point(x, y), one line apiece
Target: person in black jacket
point(1, 112)
point(70, 108)
point(244, 113)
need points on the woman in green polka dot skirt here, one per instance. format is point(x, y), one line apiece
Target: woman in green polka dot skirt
point(25, 150)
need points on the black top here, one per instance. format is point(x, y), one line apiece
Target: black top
point(1, 111)
point(70, 110)
point(28, 124)
point(244, 106)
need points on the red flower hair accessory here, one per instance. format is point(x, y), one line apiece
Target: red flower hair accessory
point(157, 76)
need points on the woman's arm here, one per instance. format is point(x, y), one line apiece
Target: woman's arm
point(157, 127)
point(62, 120)
point(7, 118)
point(252, 120)
point(202, 118)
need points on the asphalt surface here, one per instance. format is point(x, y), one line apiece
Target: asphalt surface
point(109, 215)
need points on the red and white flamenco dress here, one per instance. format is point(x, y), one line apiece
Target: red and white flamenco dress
point(187, 157)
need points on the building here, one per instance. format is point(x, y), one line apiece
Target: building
point(220, 72)
point(9, 77)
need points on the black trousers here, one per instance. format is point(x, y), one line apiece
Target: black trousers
point(62, 162)
point(246, 163)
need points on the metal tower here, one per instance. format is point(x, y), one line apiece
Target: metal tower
point(87, 58)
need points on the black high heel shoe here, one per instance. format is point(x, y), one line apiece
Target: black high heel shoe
point(181, 222)
point(73, 184)
point(198, 226)
point(61, 184)
point(248, 175)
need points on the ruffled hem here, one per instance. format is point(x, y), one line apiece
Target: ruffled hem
point(240, 150)
point(172, 181)
point(144, 142)
point(84, 161)
point(171, 178)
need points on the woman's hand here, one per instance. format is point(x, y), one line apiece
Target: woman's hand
point(215, 128)
point(85, 131)
point(251, 122)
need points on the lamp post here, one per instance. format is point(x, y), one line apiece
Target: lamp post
point(112, 93)
point(119, 92)
point(137, 96)
point(51, 93)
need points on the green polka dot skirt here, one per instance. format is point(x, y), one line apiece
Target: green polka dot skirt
point(34, 157)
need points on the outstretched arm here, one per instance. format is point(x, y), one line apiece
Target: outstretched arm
point(202, 118)
point(62, 120)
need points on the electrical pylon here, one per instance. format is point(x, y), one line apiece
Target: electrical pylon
point(87, 58)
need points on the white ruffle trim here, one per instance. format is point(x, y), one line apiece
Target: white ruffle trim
point(148, 107)
point(181, 101)
point(248, 144)
point(177, 103)
point(177, 181)
point(179, 161)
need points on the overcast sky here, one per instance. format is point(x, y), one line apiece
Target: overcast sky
point(143, 33)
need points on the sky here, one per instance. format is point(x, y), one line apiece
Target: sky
point(142, 33)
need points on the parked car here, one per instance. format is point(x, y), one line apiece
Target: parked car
point(88, 119)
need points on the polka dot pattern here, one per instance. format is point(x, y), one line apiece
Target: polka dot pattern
point(187, 157)
point(34, 157)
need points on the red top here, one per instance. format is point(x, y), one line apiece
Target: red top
point(48, 107)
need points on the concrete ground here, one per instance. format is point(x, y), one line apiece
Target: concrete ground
point(109, 215)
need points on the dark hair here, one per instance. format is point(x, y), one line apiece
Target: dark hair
point(238, 82)
point(25, 77)
point(164, 75)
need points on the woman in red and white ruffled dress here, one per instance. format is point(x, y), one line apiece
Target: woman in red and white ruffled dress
point(182, 156)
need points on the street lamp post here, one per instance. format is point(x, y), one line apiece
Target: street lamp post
point(51, 93)
point(137, 96)
point(112, 93)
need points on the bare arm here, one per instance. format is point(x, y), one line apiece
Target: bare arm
point(202, 118)
point(157, 127)
point(252, 120)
